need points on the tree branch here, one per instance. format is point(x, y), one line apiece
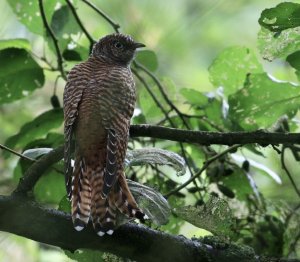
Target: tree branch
point(105, 16)
point(54, 39)
point(131, 240)
point(260, 137)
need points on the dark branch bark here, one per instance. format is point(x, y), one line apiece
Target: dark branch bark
point(173, 134)
point(261, 137)
point(28, 219)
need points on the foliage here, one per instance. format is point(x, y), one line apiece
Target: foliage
point(244, 98)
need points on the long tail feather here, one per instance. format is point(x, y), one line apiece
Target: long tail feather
point(81, 195)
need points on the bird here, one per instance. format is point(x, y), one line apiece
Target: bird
point(99, 99)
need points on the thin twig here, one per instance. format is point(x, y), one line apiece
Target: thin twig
point(87, 34)
point(16, 153)
point(54, 39)
point(287, 170)
point(105, 16)
point(142, 80)
point(161, 89)
point(206, 164)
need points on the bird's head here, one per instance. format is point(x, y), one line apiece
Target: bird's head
point(117, 48)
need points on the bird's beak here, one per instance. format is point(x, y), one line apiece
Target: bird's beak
point(138, 45)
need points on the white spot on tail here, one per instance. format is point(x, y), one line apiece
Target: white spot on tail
point(110, 232)
point(100, 233)
point(79, 228)
point(146, 217)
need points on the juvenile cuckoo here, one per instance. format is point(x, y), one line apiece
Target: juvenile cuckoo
point(99, 100)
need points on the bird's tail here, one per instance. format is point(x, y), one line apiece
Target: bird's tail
point(104, 210)
point(81, 194)
point(88, 201)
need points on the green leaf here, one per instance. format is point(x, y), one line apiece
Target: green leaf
point(262, 101)
point(148, 59)
point(294, 60)
point(37, 128)
point(194, 97)
point(65, 205)
point(15, 43)
point(214, 216)
point(19, 74)
point(276, 46)
point(283, 16)
point(238, 184)
point(28, 13)
point(155, 156)
point(150, 110)
point(50, 188)
point(64, 26)
point(230, 68)
point(52, 140)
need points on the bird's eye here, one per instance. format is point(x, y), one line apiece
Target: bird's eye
point(118, 45)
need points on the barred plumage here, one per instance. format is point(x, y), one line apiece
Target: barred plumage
point(99, 101)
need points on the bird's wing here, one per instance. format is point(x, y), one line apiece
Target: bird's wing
point(120, 102)
point(72, 96)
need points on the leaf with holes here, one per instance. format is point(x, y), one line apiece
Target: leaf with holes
point(277, 46)
point(19, 74)
point(262, 101)
point(67, 32)
point(283, 16)
point(215, 216)
point(230, 68)
point(28, 13)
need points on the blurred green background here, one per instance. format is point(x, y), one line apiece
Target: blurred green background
point(186, 36)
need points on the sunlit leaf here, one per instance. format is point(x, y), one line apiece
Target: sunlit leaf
point(19, 74)
point(155, 156)
point(65, 29)
point(277, 46)
point(262, 101)
point(148, 59)
point(214, 216)
point(230, 68)
point(283, 16)
point(36, 128)
point(21, 43)
point(28, 13)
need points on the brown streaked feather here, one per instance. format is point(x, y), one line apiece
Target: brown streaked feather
point(99, 101)
point(81, 195)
